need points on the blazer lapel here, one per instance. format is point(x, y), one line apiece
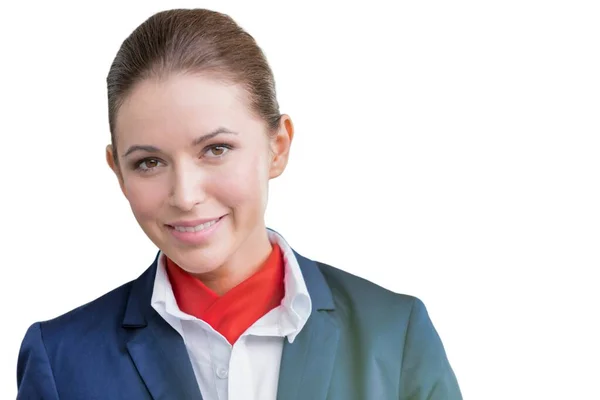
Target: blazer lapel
point(307, 363)
point(156, 349)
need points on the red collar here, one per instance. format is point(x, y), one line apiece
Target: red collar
point(234, 312)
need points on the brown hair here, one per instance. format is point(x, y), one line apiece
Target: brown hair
point(192, 41)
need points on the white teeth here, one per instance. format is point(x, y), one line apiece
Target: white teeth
point(195, 228)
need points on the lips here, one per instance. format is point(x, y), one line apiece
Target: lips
point(194, 225)
point(195, 228)
point(197, 232)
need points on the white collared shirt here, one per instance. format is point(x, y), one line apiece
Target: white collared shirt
point(248, 370)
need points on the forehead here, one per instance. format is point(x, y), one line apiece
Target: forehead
point(183, 106)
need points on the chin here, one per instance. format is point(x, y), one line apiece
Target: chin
point(197, 260)
point(200, 261)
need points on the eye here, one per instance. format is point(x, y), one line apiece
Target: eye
point(217, 150)
point(147, 164)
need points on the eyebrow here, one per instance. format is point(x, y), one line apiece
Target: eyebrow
point(195, 142)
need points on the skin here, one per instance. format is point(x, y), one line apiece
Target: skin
point(223, 175)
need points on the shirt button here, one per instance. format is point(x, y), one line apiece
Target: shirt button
point(222, 373)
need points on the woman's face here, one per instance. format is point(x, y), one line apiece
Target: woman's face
point(194, 164)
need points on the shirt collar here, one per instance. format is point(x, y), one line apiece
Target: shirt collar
point(294, 310)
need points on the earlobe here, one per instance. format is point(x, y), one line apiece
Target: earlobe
point(280, 146)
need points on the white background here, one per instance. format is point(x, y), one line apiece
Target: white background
point(448, 150)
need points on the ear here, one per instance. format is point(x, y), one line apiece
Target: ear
point(110, 160)
point(280, 146)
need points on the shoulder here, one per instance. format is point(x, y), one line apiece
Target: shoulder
point(357, 296)
point(54, 351)
point(351, 287)
point(397, 330)
point(98, 316)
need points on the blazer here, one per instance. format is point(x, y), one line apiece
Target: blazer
point(361, 342)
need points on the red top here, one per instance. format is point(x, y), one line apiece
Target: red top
point(234, 312)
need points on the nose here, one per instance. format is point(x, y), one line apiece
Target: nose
point(187, 189)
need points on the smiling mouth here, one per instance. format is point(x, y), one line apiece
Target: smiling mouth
point(196, 228)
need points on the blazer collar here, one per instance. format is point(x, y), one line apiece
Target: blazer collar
point(318, 289)
point(138, 304)
point(307, 363)
point(157, 350)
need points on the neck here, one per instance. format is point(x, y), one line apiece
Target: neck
point(242, 264)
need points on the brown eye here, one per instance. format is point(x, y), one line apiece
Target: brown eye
point(148, 164)
point(151, 163)
point(217, 151)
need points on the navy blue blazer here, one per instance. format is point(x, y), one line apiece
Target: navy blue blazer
point(361, 342)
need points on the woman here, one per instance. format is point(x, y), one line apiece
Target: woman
point(227, 309)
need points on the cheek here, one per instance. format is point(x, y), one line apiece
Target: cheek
point(243, 184)
point(145, 198)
